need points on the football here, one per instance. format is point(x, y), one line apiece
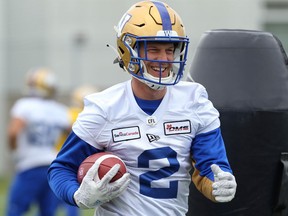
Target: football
point(107, 161)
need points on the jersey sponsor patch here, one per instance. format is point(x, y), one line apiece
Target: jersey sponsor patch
point(128, 133)
point(177, 127)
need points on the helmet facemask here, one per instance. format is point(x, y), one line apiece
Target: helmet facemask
point(136, 65)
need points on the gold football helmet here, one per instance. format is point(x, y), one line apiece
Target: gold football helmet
point(80, 92)
point(151, 21)
point(41, 82)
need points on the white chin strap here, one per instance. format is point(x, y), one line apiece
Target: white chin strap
point(156, 86)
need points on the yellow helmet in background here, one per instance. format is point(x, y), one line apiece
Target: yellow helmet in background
point(41, 82)
point(79, 93)
point(151, 21)
point(76, 107)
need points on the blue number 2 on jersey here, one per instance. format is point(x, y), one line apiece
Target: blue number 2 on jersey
point(163, 172)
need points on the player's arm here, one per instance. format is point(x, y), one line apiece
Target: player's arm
point(16, 125)
point(208, 149)
point(62, 173)
point(62, 176)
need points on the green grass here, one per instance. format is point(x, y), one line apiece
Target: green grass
point(4, 184)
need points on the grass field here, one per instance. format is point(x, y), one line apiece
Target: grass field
point(4, 184)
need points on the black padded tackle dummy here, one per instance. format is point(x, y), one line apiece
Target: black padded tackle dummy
point(246, 75)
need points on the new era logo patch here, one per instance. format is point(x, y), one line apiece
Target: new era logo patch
point(152, 137)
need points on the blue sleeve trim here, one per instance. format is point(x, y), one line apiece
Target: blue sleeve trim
point(62, 173)
point(207, 149)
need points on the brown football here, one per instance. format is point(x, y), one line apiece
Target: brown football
point(108, 160)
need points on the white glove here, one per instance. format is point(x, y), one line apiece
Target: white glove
point(224, 186)
point(93, 192)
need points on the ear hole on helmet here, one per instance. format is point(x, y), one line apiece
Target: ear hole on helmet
point(121, 50)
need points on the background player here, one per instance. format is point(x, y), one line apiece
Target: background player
point(154, 122)
point(36, 123)
point(75, 108)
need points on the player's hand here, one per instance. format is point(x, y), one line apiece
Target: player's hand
point(93, 192)
point(224, 186)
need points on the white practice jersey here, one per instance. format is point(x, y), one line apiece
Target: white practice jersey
point(44, 121)
point(155, 149)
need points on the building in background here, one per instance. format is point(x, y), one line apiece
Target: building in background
point(275, 19)
point(63, 36)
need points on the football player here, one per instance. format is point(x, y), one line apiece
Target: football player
point(36, 122)
point(160, 126)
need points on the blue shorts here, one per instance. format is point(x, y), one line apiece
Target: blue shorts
point(31, 187)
